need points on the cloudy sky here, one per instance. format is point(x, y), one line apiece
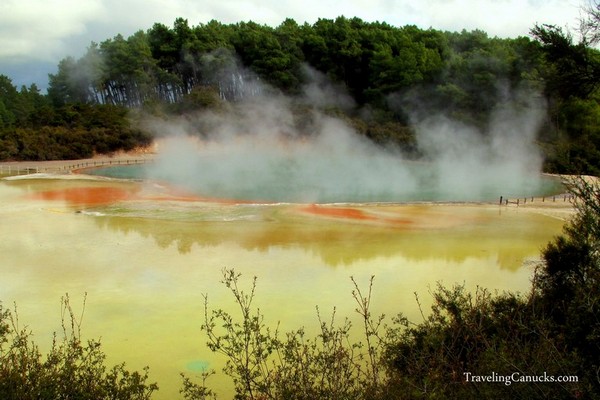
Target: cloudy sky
point(36, 34)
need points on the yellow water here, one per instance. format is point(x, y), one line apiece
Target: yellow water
point(145, 263)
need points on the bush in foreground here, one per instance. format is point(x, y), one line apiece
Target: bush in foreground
point(465, 336)
point(72, 369)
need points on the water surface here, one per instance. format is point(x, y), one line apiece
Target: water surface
point(145, 255)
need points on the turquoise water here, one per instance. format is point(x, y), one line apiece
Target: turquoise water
point(283, 185)
point(137, 171)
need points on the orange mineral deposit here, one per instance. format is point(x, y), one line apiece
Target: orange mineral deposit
point(86, 195)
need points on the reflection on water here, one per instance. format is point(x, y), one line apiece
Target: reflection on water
point(145, 258)
point(510, 237)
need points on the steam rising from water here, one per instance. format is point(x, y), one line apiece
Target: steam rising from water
point(258, 150)
point(503, 159)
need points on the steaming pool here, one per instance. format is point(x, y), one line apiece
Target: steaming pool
point(145, 253)
point(290, 186)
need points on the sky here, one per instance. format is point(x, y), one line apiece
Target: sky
point(36, 34)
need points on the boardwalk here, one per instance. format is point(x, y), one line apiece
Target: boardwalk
point(68, 166)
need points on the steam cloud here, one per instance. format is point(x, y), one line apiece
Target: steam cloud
point(259, 150)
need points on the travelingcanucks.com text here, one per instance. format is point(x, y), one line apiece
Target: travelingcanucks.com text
point(517, 377)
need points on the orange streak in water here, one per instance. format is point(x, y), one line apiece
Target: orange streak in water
point(354, 214)
point(86, 195)
point(338, 212)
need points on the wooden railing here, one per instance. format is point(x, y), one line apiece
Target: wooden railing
point(524, 200)
point(24, 169)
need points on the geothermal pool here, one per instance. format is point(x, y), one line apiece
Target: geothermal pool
point(287, 180)
point(145, 254)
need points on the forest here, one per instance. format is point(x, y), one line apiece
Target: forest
point(94, 103)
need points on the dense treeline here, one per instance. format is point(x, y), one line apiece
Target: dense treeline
point(392, 73)
point(32, 128)
point(462, 71)
point(371, 59)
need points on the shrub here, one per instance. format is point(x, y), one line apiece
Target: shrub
point(505, 337)
point(266, 365)
point(568, 284)
point(72, 369)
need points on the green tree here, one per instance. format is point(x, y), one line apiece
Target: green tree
point(8, 100)
point(129, 70)
point(576, 67)
point(260, 49)
point(71, 84)
point(572, 74)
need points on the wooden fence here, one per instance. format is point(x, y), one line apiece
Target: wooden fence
point(24, 169)
point(524, 200)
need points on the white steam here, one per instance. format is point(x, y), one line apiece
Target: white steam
point(323, 94)
point(258, 150)
point(264, 158)
point(503, 159)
